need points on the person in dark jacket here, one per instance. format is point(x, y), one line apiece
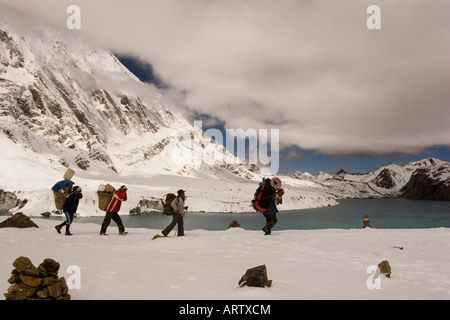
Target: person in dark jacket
point(265, 203)
point(70, 208)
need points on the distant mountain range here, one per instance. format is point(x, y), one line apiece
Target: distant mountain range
point(424, 179)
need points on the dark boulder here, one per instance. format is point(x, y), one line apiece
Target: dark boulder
point(256, 277)
point(19, 220)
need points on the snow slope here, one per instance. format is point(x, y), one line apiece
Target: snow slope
point(207, 265)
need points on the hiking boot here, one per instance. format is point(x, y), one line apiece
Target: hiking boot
point(103, 234)
point(123, 233)
point(266, 230)
point(68, 233)
point(58, 229)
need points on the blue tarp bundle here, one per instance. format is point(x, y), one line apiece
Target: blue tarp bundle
point(62, 184)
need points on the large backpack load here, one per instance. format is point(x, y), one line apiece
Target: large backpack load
point(60, 192)
point(168, 210)
point(257, 198)
point(266, 193)
point(62, 189)
point(105, 194)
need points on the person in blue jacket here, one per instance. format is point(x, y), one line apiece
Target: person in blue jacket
point(69, 209)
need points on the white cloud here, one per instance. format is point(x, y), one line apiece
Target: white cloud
point(309, 68)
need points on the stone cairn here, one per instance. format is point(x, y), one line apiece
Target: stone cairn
point(41, 283)
point(366, 222)
point(234, 224)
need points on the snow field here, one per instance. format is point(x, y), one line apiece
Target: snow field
point(207, 265)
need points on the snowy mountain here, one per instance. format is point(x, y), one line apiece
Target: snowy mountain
point(67, 104)
point(393, 180)
point(81, 106)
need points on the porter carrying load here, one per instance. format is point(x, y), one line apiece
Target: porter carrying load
point(62, 189)
point(105, 194)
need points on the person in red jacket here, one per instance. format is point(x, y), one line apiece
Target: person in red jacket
point(112, 211)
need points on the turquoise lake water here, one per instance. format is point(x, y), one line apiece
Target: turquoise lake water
point(349, 214)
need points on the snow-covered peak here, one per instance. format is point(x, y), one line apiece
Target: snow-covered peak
point(81, 105)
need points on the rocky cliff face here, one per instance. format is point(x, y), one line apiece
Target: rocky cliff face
point(429, 183)
point(385, 179)
point(50, 96)
point(9, 200)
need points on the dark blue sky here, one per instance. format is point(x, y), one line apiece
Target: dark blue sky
point(293, 158)
point(143, 71)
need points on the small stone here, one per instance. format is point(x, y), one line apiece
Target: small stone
point(15, 277)
point(50, 266)
point(9, 296)
point(48, 281)
point(24, 266)
point(14, 288)
point(64, 287)
point(43, 294)
point(31, 281)
point(59, 288)
point(25, 292)
point(234, 224)
point(385, 268)
point(42, 272)
point(54, 290)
